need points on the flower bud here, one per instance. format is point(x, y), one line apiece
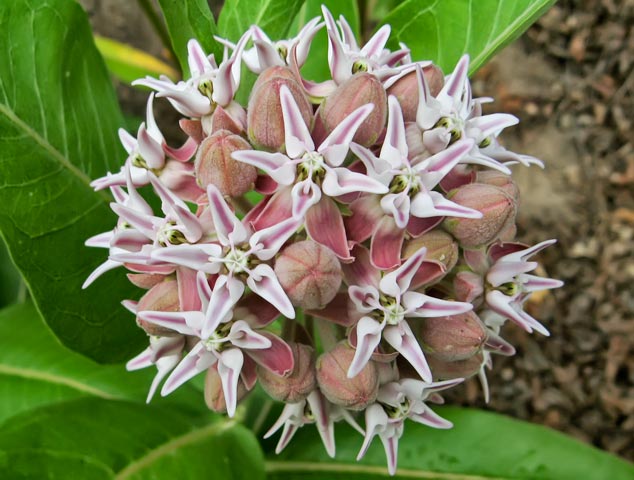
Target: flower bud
point(405, 89)
point(498, 179)
point(441, 256)
point(214, 395)
point(332, 375)
point(265, 122)
point(214, 164)
point(443, 370)
point(309, 273)
point(498, 209)
point(359, 90)
point(162, 297)
point(298, 384)
point(452, 338)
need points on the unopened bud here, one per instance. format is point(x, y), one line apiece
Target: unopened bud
point(309, 273)
point(441, 256)
point(332, 375)
point(162, 297)
point(298, 384)
point(405, 89)
point(498, 179)
point(359, 90)
point(214, 395)
point(265, 121)
point(452, 338)
point(498, 210)
point(215, 166)
point(443, 370)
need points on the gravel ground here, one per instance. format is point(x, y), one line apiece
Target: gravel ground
point(570, 79)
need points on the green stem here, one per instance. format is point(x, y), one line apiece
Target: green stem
point(157, 24)
point(242, 204)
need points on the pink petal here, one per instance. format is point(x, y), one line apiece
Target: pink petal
point(278, 358)
point(196, 58)
point(225, 294)
point(376, 420)
point(324, 225)
point(390, 444)
point(319, 408)
point(183, 153)
point(129, 239)
point(199, 257)
point(340, 181)
point(188, 297)
point(394, 148)
point(361, 271)
point(296, 135)
point(432, 419)
point(342, 135)
point(195, 362)
point(398, 281)
point(425, 306)
point(229, 228)
point(263, 281)
point(503, 305)
point(366, 214)
point(278, 166)
point(267, 243)
point(243, 336)
point(387, 240)
point(278, 208)
point(229, 366)
point(376, 44)
point(149, 149)
point(417, 226)
point(506, 271)
point(456, 82)
point(404, 342)
point(368, 338)
point(181, 322)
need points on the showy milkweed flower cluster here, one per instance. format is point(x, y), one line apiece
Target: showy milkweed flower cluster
point(377, 265)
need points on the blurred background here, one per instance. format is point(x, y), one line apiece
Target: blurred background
point(570, 80)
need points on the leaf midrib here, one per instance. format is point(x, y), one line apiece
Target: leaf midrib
point(278, 466)
point(46, 145)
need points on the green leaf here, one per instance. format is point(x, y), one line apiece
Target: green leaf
point(36, 370)
point(272, 16)
point(59, 119)
point(316, 67)
point(187, 19)
point(97, 439)
point(444, 30)
point(480, 446)
point(128, 63)
point(10, 280)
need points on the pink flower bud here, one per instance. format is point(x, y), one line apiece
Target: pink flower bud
point(332, 375)
point(265, 122)
point(498, 209)
point(214, 395)
point(405, 89)
point(452, 338)
point(498, 179)
point(441, 256)
point(162, 297)
point(214, 164)
point(443, 370)
point(298, 384)
point(309, 273)
point(359, 90)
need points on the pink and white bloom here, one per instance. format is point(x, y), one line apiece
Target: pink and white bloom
point(226, 343)
point(313, 409)
point(384, 307)
point(453, 115)
point(237, 258)
point(345, 57)
point(396, 402)
point(210, 84)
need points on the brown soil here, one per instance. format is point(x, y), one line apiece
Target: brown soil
point(570, 79)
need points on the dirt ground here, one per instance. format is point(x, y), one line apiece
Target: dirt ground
point(570, 79)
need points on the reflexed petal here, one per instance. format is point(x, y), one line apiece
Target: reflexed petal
point(368, 338)
point(533, 283)
point(196, 59)
point(366, 214)
point(188, 297)
point(225, 294)
point(340, 65)
point(229, 366)
point(430, 418)
point(342, 135)
point(243, 336)
point(100, 270)
point(376, 44)
point(278, 358)
point(229, 228)
point(390, 444)
point(141, 221)
point(142, 360)
point(199, 257)
point(184, 152)
point(436, 167)
point(404, 342)
point(376, 421)
point(506, 271)
point(504, 305)
point(319, 408)
point(424, 306)
point(522, 255)
point(339, 181)
point(187, 323)
point(454, 86)
point(387, 241)
point(263, 281)
point(149, 149)
point(361, 272)
point(267, 243)
point(394, 148)
point(128, 141)
point(129, 239)
point(278, 166)
point(195, 362)
point(296, 134)
point(448, 208)
point(324, 225)
point(397, 282)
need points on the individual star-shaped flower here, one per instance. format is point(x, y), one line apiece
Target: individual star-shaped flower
point(396, 402)
point(237, 258)
point(224, 345)
point(384, 306)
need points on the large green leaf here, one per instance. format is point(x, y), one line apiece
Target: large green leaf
point(272, 16)
point(10, 280)
point(187, 19)
point(316, 67)
point(99, 439)
point(444, 30)
point(481, 446)
point(36, 370)
point(58, 124)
